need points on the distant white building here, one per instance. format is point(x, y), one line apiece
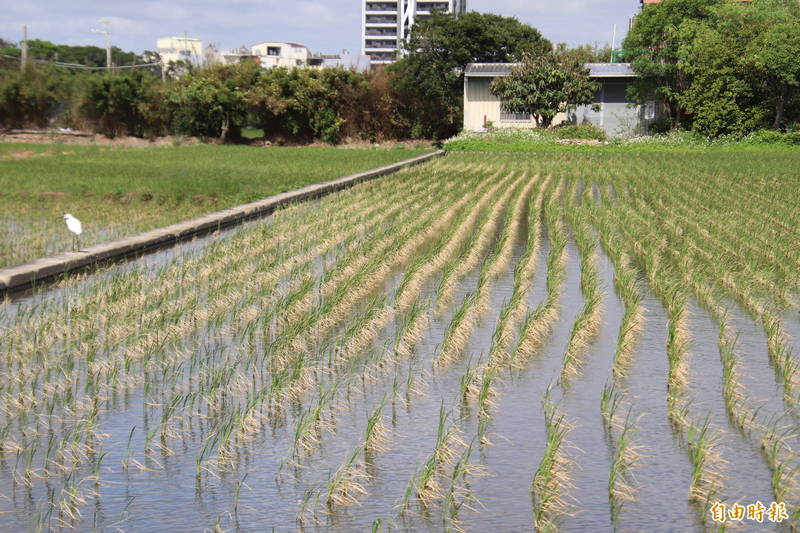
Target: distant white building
point(385, 23)
point(180, 48)
point(269, 54)
point(277, 54)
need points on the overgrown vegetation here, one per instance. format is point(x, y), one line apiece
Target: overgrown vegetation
point(720, 67)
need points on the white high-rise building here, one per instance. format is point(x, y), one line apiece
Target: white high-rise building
point(385, 23)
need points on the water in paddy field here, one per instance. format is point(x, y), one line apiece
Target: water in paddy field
point(747, 474)
point(581, 404)
point(162, 490)
point(517, 428)
point(664, 476)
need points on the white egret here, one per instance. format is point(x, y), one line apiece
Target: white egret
point(75, 227)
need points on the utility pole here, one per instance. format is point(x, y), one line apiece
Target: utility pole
point(613, 43)
point(107, 34)
point(24, 58)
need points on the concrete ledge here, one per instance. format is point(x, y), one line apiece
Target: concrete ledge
point(48, 269)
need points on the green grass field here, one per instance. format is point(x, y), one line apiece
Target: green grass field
point(117, 192)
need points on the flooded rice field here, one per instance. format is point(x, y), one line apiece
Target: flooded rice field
point(481, 343)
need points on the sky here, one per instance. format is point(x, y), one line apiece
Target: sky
point(325, 27)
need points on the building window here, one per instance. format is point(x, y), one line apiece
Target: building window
point(508, 116)
point(273, 50)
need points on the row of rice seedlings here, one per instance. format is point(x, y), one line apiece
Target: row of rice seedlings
point(782, 460)
point(478, 224)
point(706, 462)
point(552, 480)
point(626, 283)
point(352, 328)
point(538, 323)
point(348, 484)
point(742, 292)
point(477, 251)
point(428, 264)
point(442, 478)
point(469, 312)
point(706, 481)
point(292, 339)
point(416, 277)
point(480, 386)
point(763, 229)
point(774, 440)
point(371, 278)
point(671, 291)
point(393, 244)
point(780, 355)
point(620, 431)
point(622, 485)
point(755, 257)
point(587, 323)
point(377, 244)
point(350, 265)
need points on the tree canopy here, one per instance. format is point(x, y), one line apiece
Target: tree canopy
point(545, 85)
point(720, 67)
point(431, 72)
point(90, 56)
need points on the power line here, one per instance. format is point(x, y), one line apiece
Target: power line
point(82, 67)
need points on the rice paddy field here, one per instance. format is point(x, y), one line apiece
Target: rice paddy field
point(117, 192)
point(511, 342)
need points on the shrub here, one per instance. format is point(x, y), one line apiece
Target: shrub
point(112, 103)
point(580, 131)
point(29, 97)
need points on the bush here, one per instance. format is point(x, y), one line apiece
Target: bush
point(29, 97)
point(112, 103)
point(773, 137)
point(580, 131)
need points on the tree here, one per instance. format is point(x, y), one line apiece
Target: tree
point(29, 97)
point(545, 85)
point(652, 46)
point(585, 53)
point(774, 53)
point(212, 102)
point(430, 75)
point(113, 102)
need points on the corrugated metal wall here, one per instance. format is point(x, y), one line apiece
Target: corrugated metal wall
point(616, 115)
point(480, 105)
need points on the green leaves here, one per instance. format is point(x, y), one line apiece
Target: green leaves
point(721, 68)
point(545, 85)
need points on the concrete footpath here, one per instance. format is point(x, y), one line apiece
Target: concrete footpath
point(47, 269)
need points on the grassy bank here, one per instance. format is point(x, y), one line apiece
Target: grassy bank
point(590, 139)
point(118, 192)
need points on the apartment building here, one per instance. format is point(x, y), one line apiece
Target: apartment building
point(180, 48)
point(276, 54)
point(385, 23)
